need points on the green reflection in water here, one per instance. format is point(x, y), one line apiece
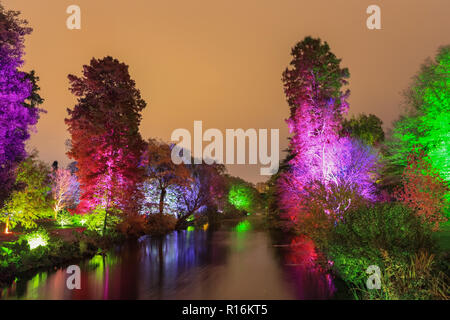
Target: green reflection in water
point(34, 284)
point(243, 227)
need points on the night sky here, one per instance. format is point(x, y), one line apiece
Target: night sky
point(221, 61)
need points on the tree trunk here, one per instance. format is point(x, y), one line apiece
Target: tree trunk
point(105, 222)
point(162, 196)
point(181, 222)
point(7, 226)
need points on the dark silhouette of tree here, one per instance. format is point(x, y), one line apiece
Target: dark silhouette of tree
point(367, 128)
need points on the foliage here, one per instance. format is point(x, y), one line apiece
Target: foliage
point(64, 190)
point(105, 139)
point(152, 198)
point(161, 169)
point(325, 207)
point(243, 196)
point(16, 258)
point(427, 121)
point(36, 238)
point(135, 225)
point(423, 189)
point(161, 224)
point(416, 279)
point(79, 220)
point(358, 241)
point(95, 220)
point(65, 219)
point(204, 190)
point(367, 128)
point(18, 98)
point(351, 167)
point(317, 152)
point(31, 200)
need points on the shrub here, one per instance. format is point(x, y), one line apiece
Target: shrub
point(424, 190)
point(95, 220)
point(366, 232)
point(416, 279)
point(161, 224)
point(64, 218)
point(135, 225)
point(79, 220)
point(325, 207)
point(36, 238)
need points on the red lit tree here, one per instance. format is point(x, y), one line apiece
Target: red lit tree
point(106, 143)
point(423, 189)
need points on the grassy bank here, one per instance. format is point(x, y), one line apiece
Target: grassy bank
point(27, 255)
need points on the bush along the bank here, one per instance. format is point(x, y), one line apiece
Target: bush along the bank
point(392, 237)
point(160, 224)
point(37, 249)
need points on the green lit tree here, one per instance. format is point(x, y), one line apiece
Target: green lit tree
point(32, 198)
point(243, 196)
point(427, 120)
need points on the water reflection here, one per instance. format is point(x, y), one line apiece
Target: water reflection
point(237, 261)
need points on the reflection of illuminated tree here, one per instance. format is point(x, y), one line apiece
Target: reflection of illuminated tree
point(302, 260)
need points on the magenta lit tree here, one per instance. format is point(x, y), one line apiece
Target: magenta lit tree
point(18, 98)
point(318, 154)
point(105, 138)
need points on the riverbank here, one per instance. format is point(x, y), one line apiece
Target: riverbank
point(19, 259)
point(234, 260)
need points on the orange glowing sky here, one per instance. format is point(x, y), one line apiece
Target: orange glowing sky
point(221, 61)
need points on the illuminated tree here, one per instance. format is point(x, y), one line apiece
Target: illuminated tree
point(243, 196)
point(64, 189)
point(162, 172)
point(106, 143)
point(204, 190)
point(152, 198)
point(427, 121)
point(313, 90)
point(18, 98)
point(31, 199)
point(423, 189)
point(319, 155)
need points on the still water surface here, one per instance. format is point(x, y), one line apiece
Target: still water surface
point(237, 261)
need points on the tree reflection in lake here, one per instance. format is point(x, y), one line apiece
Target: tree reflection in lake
point(236, 261)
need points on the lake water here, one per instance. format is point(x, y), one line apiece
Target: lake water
point(239, 260)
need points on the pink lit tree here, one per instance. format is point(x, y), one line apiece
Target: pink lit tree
point(317, 153)
point(106, 143)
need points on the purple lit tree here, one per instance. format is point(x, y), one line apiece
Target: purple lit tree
point(317, 152)
point(204, 190)
point(18, 98)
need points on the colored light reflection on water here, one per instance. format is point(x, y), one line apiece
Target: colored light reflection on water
point(243, 226)
point(236, 261)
